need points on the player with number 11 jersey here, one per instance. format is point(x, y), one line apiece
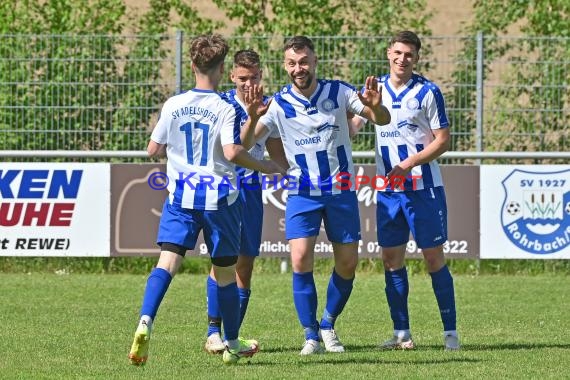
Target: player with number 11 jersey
point(196, 162)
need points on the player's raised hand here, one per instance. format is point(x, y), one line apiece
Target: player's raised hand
point(371, 95)
point(253, 99)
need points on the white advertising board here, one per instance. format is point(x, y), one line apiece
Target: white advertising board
point(525, 211)
point(54, 209)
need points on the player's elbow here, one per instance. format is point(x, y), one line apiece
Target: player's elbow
point(445, 142)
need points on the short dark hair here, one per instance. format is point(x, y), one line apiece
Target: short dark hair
point(208, 51)
point(247, 58)
point(407, 37)
point(299, 43)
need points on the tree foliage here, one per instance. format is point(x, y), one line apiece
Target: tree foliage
point(534, 72)
point(86, 74)
point(69, 72)
point(350, 37)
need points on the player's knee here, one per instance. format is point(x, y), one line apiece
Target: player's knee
point(224, 261)
point(347, 267)
point(434, 262)
point(244, 270)
point(243, 276)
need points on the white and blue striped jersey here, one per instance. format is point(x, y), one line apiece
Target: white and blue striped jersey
point(315, 136)
point(258, 150)
point(195, 126)
point(416, 109)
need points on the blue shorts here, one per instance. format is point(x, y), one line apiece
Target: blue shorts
point(251, 221)
point(304, 214)
point(423, 212)
point(221, 228)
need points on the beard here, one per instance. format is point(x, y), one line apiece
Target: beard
point(303, 83)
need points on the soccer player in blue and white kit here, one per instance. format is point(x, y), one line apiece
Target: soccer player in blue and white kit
point(409, 146)
point(311, 116)
point(246, 74)
point(200, 133)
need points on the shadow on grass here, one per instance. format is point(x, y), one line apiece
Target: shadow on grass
point(481, 347)
point(431, 347)
point(349, 349)
point(336, 359)
point(512, 346)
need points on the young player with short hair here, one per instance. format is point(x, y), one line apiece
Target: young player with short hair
point(200, 133)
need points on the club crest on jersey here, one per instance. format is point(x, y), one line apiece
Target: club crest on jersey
point(413, 104)
point(327, 105)
point(535, 214)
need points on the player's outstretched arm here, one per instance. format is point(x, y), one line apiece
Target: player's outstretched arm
point(371, 97)
point(239, 156)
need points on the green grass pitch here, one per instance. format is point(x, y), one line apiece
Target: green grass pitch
point(81, 326)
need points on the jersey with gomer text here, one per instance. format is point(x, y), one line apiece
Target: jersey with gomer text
point(416, 109)
point(315, 136)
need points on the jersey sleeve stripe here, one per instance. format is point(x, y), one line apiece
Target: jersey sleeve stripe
point(286, 106)
point(237, 126)
point(440, 103)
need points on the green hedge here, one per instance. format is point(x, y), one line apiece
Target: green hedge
point(143, 265)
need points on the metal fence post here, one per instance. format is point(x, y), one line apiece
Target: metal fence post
point(178, 61)
point(479, 88)
point(479, 110)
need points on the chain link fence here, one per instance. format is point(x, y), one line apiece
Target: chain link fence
point(104, 93)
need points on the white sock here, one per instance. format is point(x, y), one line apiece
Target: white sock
point(147, 320)
point(450, 332)
point(402, 334)
point(233, 344)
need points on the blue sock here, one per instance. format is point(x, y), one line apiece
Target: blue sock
point(228, 299)
point(442, 284)
point(338, 292)
point(244, 295)
point(397, 289)
point(156, 286)
point(305, 299)
point(214, 316)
